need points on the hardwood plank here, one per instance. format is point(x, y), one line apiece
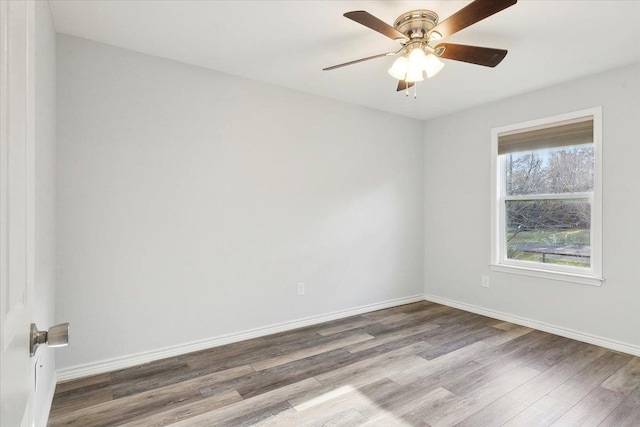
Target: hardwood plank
point(443, 375)
point(208, 362)
point(508, 335)
point(141, 404)
point(479, 377)
point(591, 410)
point(626, 379)
point(413, 409)
point(188, 411)
point(396, 345)
point(560, 348)
point(389, 419)
point(307, 341)
point(118, 411)
point(462, 355)
point(541, 414)
point(237, 348)
point(79, 398)
point(333, 396)
point(581, 384)
point(282, 375)
point(507, 326)
point(258, 414)
point(463, 407)
point(86, 383)
point(440, 315)
point(157, 379)
point(421, 307)
point(146, 369)
point(246, 406)
point(395, 335)
point(294, 337)
point(504, 363)
point(416, 307)
point(554, 377)
point(456, 344)
point(432, 311)
point(310, 351)
point(377, 367)
point(627, 414)
point(345, 326)
point(321, 408)
point(360, 375)
point(384, 317)
point(459, 331)
point(408, 401)
point(349, 418)
point(494, 414)
point(533, 341)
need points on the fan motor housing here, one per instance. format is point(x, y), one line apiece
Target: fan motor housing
point(416, 23)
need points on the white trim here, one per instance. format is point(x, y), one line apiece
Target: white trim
point(548, 271)
point(43, 418)
point(108, 365)
point(596, 206)
point(548, 274)
point(545, 327)
point(498, 261)
point(560, 196)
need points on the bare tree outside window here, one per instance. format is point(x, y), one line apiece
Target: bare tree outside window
point(543, 224)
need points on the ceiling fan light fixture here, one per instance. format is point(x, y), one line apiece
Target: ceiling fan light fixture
point(435, 36)
point(416, 56)
point(416, 65)
point(417, 29)
point(432, 65)
point(399, 68)
point(414, 75)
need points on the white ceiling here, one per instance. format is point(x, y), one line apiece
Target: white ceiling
point(287, 43)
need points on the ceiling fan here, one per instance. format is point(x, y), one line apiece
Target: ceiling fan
point(416, 30)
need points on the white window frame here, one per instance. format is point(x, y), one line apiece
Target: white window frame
point(499, 261)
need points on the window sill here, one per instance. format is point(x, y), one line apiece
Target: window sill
point(546, 274)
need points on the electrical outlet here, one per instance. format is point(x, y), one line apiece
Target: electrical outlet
point(485, 281)
point(300, 289)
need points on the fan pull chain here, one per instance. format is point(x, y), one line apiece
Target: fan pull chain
point(415, 91)
point(406, 89)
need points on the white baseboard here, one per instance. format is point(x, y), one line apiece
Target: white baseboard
point(557, 330)
point(108, 365)
point(43, 416)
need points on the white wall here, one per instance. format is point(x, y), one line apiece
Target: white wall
point(45, 146)
point(457, 211)
point(190, 202)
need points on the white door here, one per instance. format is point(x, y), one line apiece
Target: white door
point(16, 210)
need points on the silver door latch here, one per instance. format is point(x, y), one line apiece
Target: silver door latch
point(56, 336)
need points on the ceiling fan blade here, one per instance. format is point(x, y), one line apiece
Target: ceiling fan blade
point(333, 67)
point(469, 15)
point(370, 21)
point(486, 56)
point(402, 85)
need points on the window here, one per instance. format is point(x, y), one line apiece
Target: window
point(546, 209)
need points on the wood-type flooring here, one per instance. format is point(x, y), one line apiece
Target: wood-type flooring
point(420, 364)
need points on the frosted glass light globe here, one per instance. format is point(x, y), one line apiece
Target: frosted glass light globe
point(399, 68)
point(432, 65)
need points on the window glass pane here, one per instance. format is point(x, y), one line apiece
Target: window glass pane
point(550, 171)
point(549, 231)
